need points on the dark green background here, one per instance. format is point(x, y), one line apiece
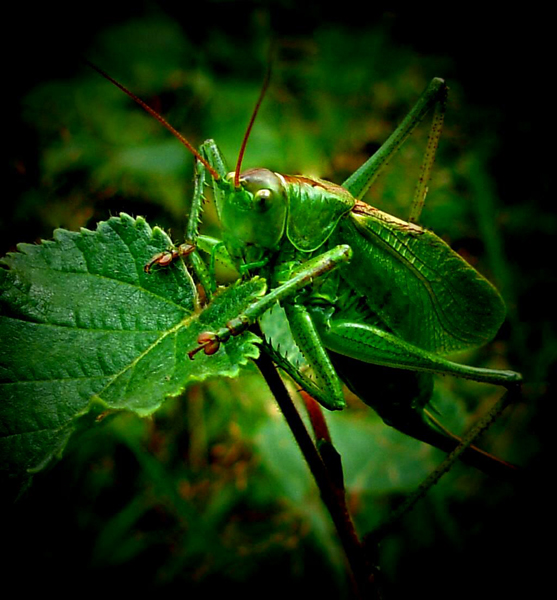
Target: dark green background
point(206, 493)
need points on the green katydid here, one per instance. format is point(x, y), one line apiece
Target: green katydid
point(381, 323)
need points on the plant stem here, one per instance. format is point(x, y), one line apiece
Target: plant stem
point(318, 423)
point(332, 497)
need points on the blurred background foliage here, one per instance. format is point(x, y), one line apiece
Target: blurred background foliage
point(212, 491)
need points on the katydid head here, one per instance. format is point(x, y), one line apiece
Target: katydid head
point(253, 214)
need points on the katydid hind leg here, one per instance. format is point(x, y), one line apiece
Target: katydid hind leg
point(371, 344)
point(400, 398)
point(429, 158)
point(362, 179)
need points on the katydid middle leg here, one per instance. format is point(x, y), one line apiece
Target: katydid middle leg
point(317, 267)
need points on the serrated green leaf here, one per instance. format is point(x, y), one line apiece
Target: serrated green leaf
point(84, 330)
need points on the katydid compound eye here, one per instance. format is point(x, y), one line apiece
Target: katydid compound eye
point(262, 181)
point(263, 195)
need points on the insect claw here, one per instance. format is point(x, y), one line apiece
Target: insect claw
point(193, 352)
point(208, 341)
point(185, 249)
point(161, 258)
point(167, 257)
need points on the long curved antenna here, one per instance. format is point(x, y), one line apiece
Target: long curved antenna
point(160, 119)
point(250, 125)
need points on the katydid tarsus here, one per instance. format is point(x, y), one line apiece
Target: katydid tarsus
point(382, 321)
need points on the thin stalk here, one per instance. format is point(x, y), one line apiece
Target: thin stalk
point(317, 419)
point(361, 571)
point(325, 446)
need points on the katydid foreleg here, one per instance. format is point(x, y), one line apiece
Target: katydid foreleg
point(189, 248)
point(317, 267)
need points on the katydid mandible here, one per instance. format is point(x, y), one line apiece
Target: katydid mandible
point(409, 301)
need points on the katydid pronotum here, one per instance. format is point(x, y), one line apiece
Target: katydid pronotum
point(371, 301)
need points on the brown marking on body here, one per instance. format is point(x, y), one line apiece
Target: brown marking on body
point(361, 208)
